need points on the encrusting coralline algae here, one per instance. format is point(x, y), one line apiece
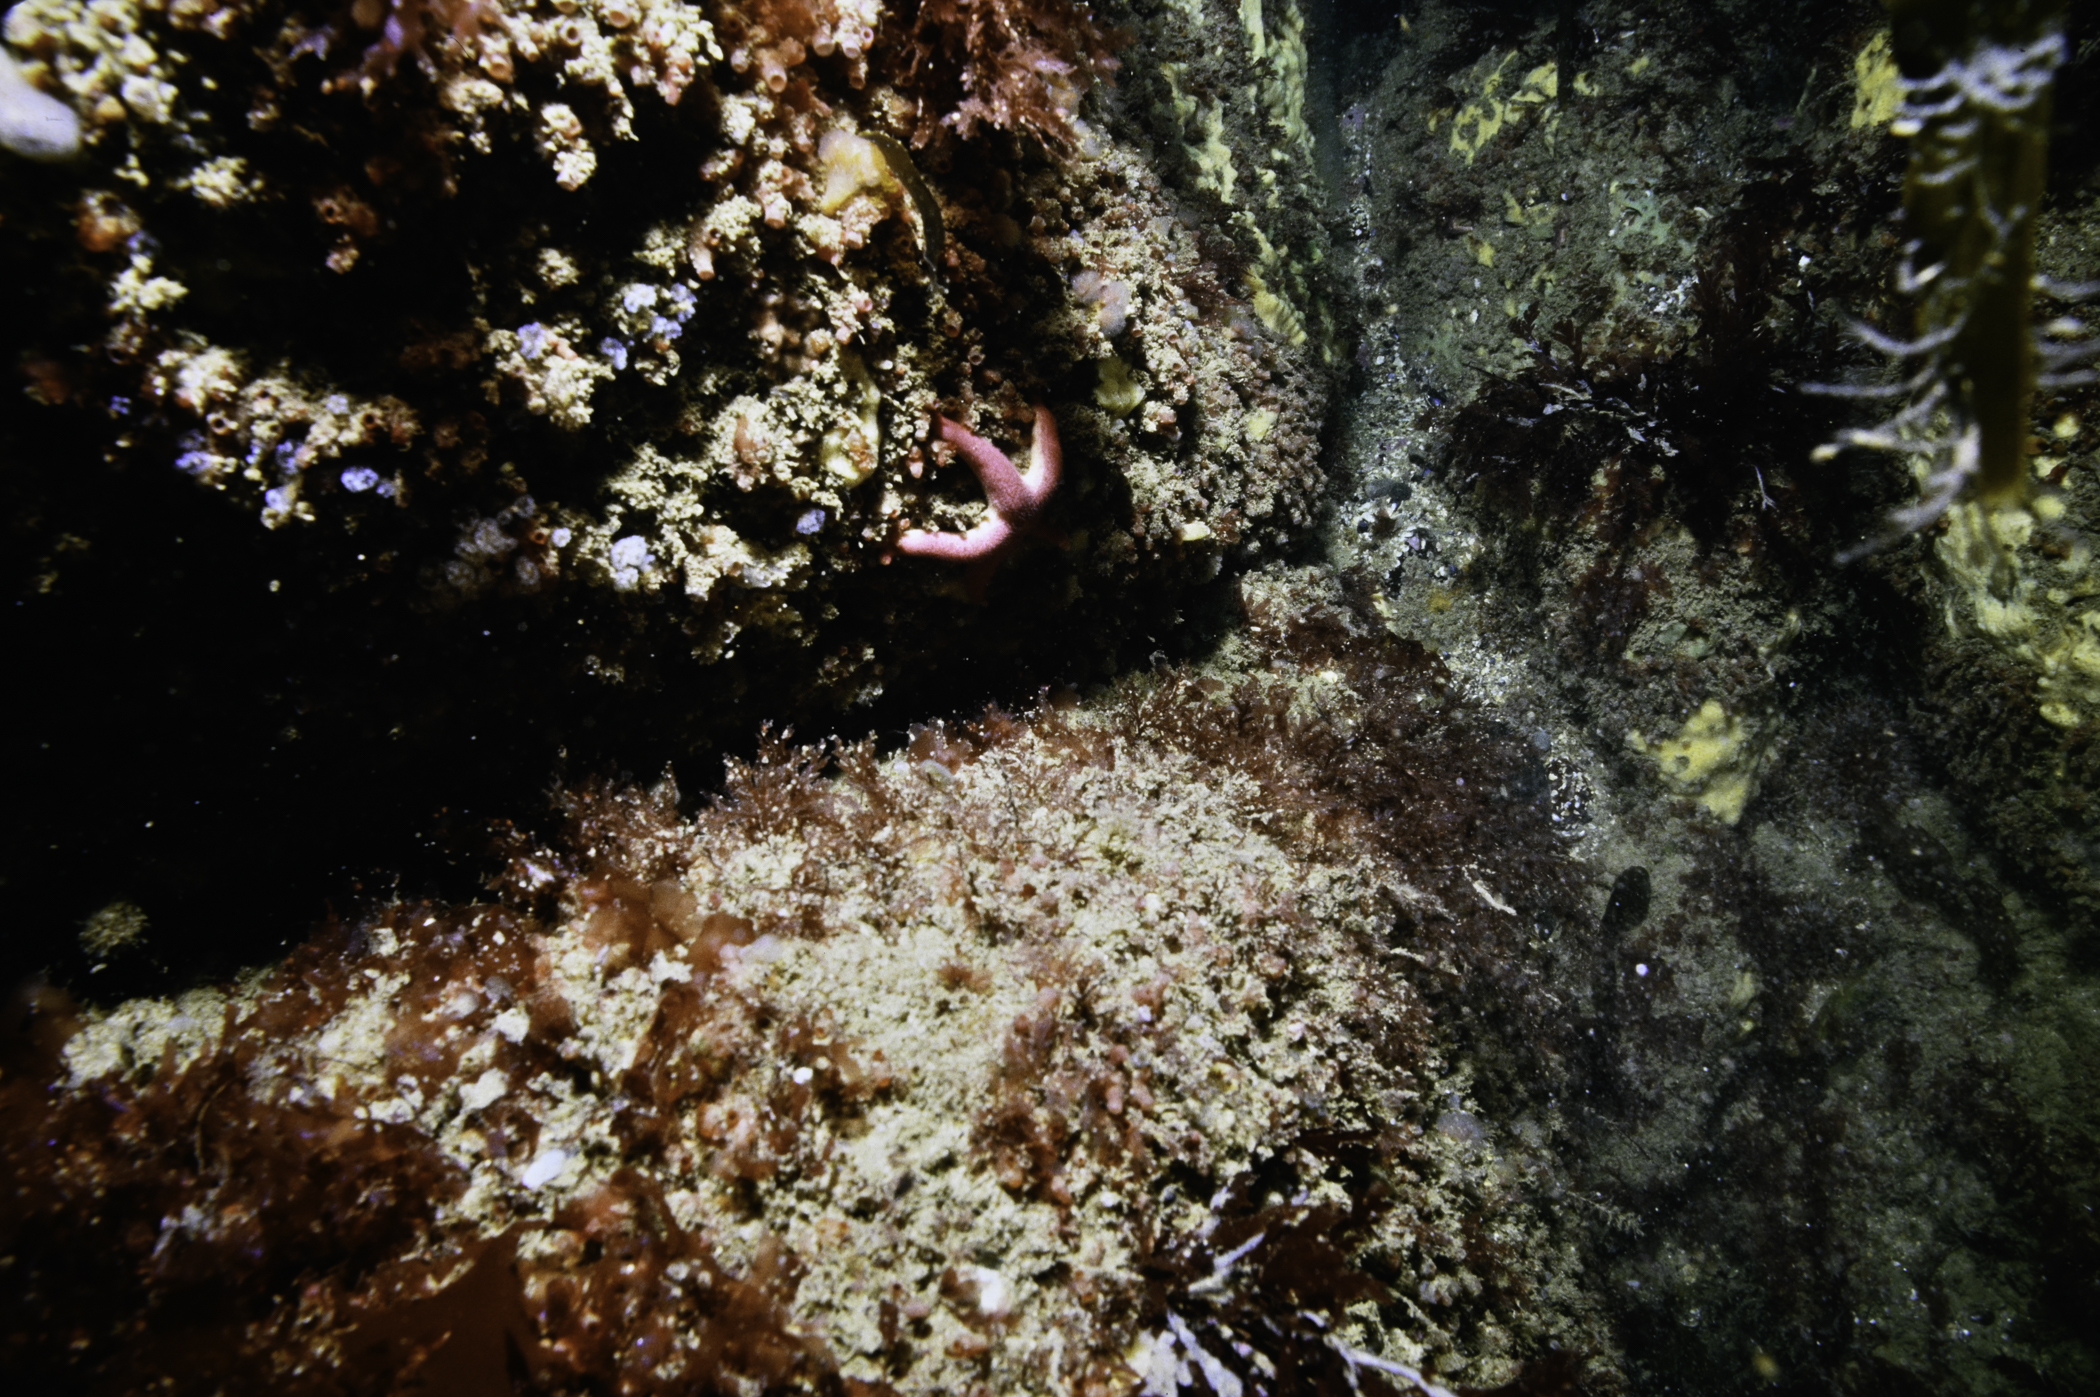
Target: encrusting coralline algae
point(1049, 1053)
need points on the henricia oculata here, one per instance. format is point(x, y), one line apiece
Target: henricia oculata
point(1016, 500)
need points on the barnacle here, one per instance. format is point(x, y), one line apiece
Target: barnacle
point(1976, 88)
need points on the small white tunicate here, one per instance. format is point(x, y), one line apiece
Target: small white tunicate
point(1641, 970)
point(1109, 297)
point(33, 122)
point(995, 1293)
point(802, 1076)
point(1461, 1128)
point(358, 479)
point(543, 1169)
point(560, 537)
point(459, 1004)
point(763, 951)
point(485, 540)
point(629, 556)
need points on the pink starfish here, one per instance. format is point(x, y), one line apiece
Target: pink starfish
point(1016, 500)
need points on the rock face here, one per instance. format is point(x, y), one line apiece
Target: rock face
point(564, 375)
point(1598, 257)
point(529, 301)
point(1047, 1054)
point(1465, 887)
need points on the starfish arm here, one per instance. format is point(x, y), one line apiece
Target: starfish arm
point(1003, 485)
point(984, 541)
point(1015, 500)
point(1046, 463)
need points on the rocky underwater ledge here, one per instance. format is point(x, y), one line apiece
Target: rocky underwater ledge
point(1054, 1052)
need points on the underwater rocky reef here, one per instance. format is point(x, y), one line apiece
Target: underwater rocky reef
point(620, 335)
point(1052, 1052)
point(982, 696)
